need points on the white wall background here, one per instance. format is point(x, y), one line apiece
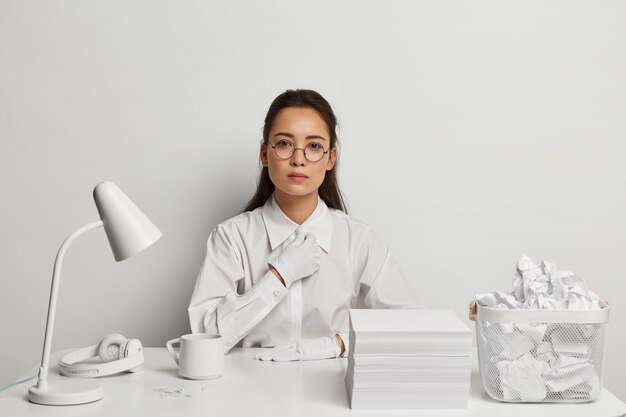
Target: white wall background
point(473, 133)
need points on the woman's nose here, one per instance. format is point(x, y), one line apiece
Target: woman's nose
point(298, 158)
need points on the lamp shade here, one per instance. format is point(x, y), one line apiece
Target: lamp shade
point(129, 230)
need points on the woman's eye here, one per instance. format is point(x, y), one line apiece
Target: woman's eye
point(315, 146)
point(283, 143)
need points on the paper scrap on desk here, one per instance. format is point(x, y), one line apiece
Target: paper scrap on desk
point(171, 393)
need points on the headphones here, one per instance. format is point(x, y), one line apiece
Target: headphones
point(118, 354)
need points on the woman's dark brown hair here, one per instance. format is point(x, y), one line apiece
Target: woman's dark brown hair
point(329, 190)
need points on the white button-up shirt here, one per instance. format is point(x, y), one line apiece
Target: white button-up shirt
point(237, 296)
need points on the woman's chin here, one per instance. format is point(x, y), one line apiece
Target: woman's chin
point(297, 190)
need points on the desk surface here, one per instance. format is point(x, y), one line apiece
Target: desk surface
point(254, 388)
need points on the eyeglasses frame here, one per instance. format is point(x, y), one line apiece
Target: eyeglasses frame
point(294, 151)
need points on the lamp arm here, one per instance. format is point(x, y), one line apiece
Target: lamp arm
point(54, 290)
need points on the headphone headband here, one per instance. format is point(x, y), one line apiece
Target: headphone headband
point(68, 365)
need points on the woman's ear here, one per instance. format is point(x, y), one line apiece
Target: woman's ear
point(331, 160)
point(263, 155)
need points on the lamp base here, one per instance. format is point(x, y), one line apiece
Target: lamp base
point(66, 392)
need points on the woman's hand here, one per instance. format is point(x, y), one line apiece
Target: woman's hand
point(303, 350)
point(298, 259)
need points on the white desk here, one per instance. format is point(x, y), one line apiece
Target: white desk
point(254, 388)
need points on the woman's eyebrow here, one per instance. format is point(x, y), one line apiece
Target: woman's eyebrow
point(289, 135)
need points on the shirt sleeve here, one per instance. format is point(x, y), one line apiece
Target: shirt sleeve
point(215, 305)
point(382, 283)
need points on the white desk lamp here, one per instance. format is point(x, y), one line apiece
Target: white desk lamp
point(129, 232)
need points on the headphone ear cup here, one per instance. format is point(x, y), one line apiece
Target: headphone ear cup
point(109, 347)
point(129, 348)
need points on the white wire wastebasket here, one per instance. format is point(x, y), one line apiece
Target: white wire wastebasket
point(528, 355)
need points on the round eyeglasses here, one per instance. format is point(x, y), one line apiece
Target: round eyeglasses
point(285, 149)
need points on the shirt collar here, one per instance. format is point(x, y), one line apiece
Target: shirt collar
point(279, 227)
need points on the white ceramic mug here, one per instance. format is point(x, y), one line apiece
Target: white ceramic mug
point(201, 355)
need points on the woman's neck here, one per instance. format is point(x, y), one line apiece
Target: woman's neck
point(297, 208)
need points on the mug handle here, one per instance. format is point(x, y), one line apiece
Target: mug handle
point(170, 348)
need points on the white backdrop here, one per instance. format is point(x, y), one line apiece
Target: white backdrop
point(472, 133)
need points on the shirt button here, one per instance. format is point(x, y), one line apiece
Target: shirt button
point(276, 295)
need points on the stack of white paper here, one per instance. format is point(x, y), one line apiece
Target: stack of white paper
point(408, 359)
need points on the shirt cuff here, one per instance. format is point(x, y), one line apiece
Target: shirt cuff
point(270, 289)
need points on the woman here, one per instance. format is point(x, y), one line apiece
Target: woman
point(285, 272)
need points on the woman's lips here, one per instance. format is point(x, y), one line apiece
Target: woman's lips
point(298, 177)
